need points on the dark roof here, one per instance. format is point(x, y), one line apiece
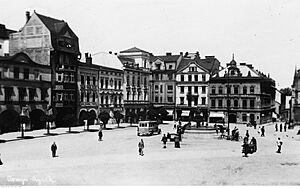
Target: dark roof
point(134, 49)
point(4, 33)
point(166, 58)
point(122, 58)
point(210, 63)
point(54, 25)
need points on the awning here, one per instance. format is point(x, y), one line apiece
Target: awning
point(217, 114)
point(170, 112)
point(185, 113)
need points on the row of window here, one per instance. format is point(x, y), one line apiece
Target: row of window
point(160, 76)
point(135, 81)
point(136, 95)
point(158, 66)
point(34, 30)
point(195, 100)
point(196, 88)
point(88, 80)
point(116, 83)
point(235, 103)
point(169, 88)
point(66, 77)
point(9, 93)
point(169, 99)
point(235, 90)
point(196, 78)
point(64, 96)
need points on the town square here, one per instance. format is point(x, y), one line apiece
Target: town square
point(148, 93)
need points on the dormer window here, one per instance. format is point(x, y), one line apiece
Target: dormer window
point(158, 65)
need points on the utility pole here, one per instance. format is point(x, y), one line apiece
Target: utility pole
point(228, 89)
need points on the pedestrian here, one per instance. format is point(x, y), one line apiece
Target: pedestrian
point(280, 127)
point(1, 163)
point(164, 140)
point(174, 126)
point(253, 144)
point(284, 127)
point(276, 127)
point(254, 124)
point(279, 144)
point(177, 142)
point(100, 135)
point(141, 147)
point(263, 131)
point(53, 149)
point(247, 133)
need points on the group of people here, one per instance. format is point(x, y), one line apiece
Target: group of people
point(249, 147)
point(280, 127)
point(235, 134)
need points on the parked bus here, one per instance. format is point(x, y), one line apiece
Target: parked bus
point(148, 128)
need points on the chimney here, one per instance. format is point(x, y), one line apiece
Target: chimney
point(27, 16)
point(181, 53)
point(110, 52)
point(88, 59)
point(197, 54)
point(168, 53)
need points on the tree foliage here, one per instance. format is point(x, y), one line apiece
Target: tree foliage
point(286, 91)
point(118, 116)
point(104, 117)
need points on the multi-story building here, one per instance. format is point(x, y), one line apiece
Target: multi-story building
point(136, 64)
point(88, 89)
point(242, 94)
point(111, 80)
point(163, 82)
point(193, 74)
point(49, 41)
point(23, 84)
point(295, 100)
point(4, 40)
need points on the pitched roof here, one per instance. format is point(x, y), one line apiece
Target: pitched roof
point(134, 49)
point(166, 58)
point(21, 59)
point(107, 60)
point(4, 33)
point(54, 25)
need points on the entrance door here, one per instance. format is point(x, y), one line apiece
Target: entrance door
point(232, 118)
point(252, 118)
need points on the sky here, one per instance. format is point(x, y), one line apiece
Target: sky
point(264, 33)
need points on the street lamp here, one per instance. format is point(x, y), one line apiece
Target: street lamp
point(228, 89)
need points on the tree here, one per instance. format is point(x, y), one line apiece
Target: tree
point(104, 117)
point(157, 114)
point(70, 120)
point(141, 115)
point(131, 115)
point(118, 117)
point(48, 119)
point(286, 91)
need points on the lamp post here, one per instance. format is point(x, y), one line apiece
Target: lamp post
point(228, 89)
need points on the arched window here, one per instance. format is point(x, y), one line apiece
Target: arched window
point(236, 103)
point(220, 89)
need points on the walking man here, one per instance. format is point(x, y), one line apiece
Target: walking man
point(276, 127)
point(263, 131)
point(100, 135)
point(280, 127)
point(164, 140)
point(279, 144)
point(284, 127)
point(253, 144)
point(53, 149)
point(141, 147)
